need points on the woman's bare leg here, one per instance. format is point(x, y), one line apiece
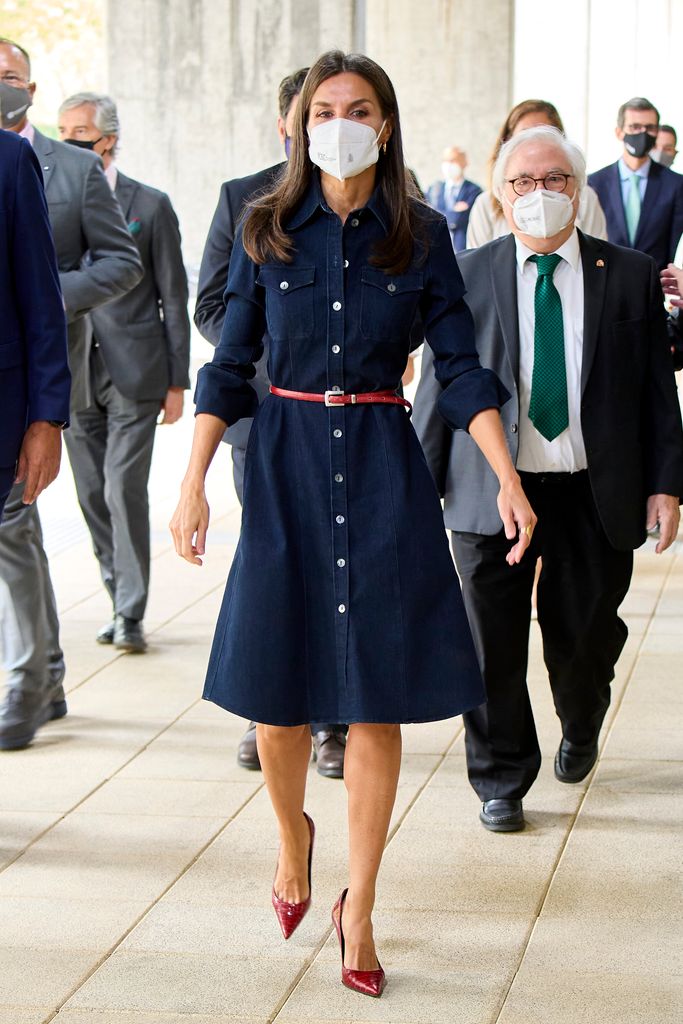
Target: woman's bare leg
point(371, 767)
point(284, 753)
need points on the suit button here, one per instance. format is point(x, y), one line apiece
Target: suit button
point(513, 428)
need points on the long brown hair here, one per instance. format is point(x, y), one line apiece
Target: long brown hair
point(508, 130)
point(264, 235)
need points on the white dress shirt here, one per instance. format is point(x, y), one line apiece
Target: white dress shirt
point(566, 453)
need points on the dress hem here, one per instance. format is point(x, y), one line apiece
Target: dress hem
point(352, 720)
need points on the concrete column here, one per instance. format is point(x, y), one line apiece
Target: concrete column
point(196, 83)
point(451, 64)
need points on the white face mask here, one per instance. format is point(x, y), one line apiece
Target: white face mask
point(343, 148)
point(452, 171)
point(542, 214)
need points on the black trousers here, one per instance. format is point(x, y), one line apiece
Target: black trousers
point(583, 581)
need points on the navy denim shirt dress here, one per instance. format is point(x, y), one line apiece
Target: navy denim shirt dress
point(342, 603)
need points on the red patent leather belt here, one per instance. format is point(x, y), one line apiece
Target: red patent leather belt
point(330, 398)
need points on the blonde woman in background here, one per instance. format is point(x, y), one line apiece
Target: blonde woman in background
point(486, 219)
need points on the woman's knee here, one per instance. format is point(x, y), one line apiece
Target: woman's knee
point(281, 735)
point(376, 732)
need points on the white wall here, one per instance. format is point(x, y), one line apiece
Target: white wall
point(590, 56)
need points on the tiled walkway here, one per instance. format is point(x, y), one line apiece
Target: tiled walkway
point(136, 858)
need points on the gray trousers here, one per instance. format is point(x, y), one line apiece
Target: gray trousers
point(110, 449)
point(29, 627)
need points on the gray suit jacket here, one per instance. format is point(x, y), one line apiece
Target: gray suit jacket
point(96, 256)
point(630, 417)
point(144, 336)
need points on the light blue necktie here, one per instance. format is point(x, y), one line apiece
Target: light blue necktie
point(633, 208)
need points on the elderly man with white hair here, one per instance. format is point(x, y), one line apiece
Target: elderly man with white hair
point(575, 329)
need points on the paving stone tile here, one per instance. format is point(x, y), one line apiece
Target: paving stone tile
point(638, 776)
point(173, 983)
point(108, 857)
point(34, 978)
point(223, 931)
point(54, 923)
point(574, 944)
point(420, 996)
point(18, 829)
point(24, 1015)
point(563, 996)
point(179, 797)
point(443, 939)
point(135, 1017)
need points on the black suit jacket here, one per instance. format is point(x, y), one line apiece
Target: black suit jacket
point(209, 312)
point(630, 416)
point(661, 216)
point(144, 336)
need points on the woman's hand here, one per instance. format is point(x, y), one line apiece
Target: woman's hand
point(518, 516)
point(190, 523)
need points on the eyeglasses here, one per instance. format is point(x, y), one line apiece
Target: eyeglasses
point(553, 182)
point(636, 129)
point(12, 78)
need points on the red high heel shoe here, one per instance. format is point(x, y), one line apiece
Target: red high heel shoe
point(290, 915)
point(368, 983)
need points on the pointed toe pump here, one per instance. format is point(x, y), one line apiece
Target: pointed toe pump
point(368, 983)
point(290, 915)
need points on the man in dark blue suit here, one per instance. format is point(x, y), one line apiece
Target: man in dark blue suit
point(34, 367)
point(454, 195)
point(641, 199)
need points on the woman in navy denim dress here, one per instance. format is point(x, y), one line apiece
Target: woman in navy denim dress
point(342, 603)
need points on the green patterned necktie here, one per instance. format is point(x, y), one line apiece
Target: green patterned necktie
point(633, 208)
point(548, 407)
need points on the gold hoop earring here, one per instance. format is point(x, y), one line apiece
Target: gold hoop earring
point(384, 147)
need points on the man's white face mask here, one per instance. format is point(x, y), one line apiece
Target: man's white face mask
point(541, 213)
point(343, 148)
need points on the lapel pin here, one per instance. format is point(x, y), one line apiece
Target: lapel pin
point(599, 263)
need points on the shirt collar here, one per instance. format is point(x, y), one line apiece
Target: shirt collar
point(111, 174)
point(570, 252)
point(28, 132)
point(314, 201)
point(625, 172)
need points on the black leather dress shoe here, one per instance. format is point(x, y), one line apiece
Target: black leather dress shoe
point(106, 634)
point(502, 815)
point(247, 754)
point(329, 748)
point(21, 715)
point(128, 635)
point(573, 763)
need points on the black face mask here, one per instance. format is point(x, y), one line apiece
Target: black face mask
point(14, 103)
point(639, 145)
point(83, 143)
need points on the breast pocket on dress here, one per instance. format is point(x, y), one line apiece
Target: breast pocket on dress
point(388, 303)
point(290, 307)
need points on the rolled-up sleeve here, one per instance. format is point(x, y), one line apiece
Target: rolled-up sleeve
point(223, 388)
point(468, 388)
